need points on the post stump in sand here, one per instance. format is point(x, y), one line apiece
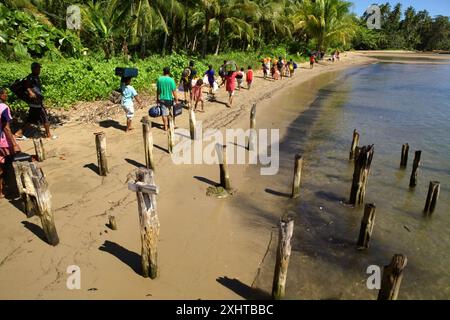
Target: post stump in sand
point(392, 278)
point(252, 137)
point(112, 222)
point(297, 176)
point(146, 192)
point(148, 143)
point(416, 164)
point(361, 175)
point(432, 197)
point(25, 187)
point(192, 123)
point(367, 224)
point(224, 174)
point(282, 258)
point(100, 143)
point(170, 135)
point(39, 149)
point(355, 143)
point(404, 159)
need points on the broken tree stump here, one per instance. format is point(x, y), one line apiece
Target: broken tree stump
point(112, 222)
point(223, 166)
point(361, 175)
point(25, 187)
point(392, 278)
point(148, 143)
point(252, 136)
point(282, 259)
point(192, 123)
point(44, 207)
point(355, 142)
point(170, 135)
point(146, 192)
point(297, 176)
point(416, 164)
point(432, 197)
point(404, 158)
point(39, 149)
point(367, 224)
point(100, 143)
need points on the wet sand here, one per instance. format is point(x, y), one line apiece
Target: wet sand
point(208, 249)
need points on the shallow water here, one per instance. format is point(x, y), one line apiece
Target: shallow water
point(389, 104)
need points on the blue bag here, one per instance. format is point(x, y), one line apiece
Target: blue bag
point(155, 111)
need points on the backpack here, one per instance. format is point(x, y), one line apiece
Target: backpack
point(19, 89)
point(295, 66)
point(186, 73)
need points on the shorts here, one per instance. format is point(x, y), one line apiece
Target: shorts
point(165, 107)
point(187, 85)
point(129, 110)
point(37, 115)
point(231, 93)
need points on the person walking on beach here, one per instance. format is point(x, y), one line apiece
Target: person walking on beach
point(128, 94)
point(211, 79)
point(230, 85)
point(265, 69)
point(8, 143)
point(222, 72)
point(37, 112)
point(166, 93)
point(312, 60)
point(249, 77)
point(186, 80)
point(197, 95)
point(280, 67)
point(240, 78)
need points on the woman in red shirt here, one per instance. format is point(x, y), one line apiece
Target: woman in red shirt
point(249, 77)
point(230, 85)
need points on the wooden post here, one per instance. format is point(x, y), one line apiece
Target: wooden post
point(39, 149)
point(170, 135)
point(416, 164)
point(297, 176)
point(361, 175)
point(404, 159)
point(148, 143)
point(367, 224)
point(112, 222)
point(282, 259)
point(192, 123)
point(146, 191)
point(432, 197)
point(25, 187)
point(252, 136)
point(355, 143)
point(392, 278)
point(100, 143)
point(43, 200)
point(224, 174)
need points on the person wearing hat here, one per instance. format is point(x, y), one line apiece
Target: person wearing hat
point(37, 112)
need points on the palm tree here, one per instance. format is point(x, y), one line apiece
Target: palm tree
point(209, 10)
point(325, 21)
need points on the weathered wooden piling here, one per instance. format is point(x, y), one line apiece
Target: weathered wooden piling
point(25, 187)
point(112, 222)
point(192, 123)
point(367, 224)
point(146, 192)
point(416, 164)
point(170, 135)
point(404, 158)
point(44, 207)
point(252, 140)
point(297, 176)
point(392, 278)
point(224, 174)
point(355, 142)
point(100, 143)
point(148, 142)
point(432, 197)
point(361, 174)
point(39, 149)
point(282, 259)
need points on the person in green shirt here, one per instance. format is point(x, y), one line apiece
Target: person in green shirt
point(165, 94)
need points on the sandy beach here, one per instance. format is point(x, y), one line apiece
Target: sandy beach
point(209, 248)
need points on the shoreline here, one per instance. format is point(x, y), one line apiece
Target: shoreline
point(216, 251)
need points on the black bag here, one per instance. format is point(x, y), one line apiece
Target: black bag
point(20, 90)
point(177, 109)
point(21, 156)
point(126, 72)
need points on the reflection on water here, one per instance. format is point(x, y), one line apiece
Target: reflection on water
point(389, 104)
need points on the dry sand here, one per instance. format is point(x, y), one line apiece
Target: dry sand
point(208, 249)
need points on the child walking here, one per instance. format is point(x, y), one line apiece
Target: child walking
point(128, 94)
point(240, 78)
point(249, 77)
point(197, 95)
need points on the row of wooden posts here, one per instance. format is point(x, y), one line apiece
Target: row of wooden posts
point(36, 196)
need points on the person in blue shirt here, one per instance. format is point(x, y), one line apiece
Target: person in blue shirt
point(211, 79)
point(128, 94)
